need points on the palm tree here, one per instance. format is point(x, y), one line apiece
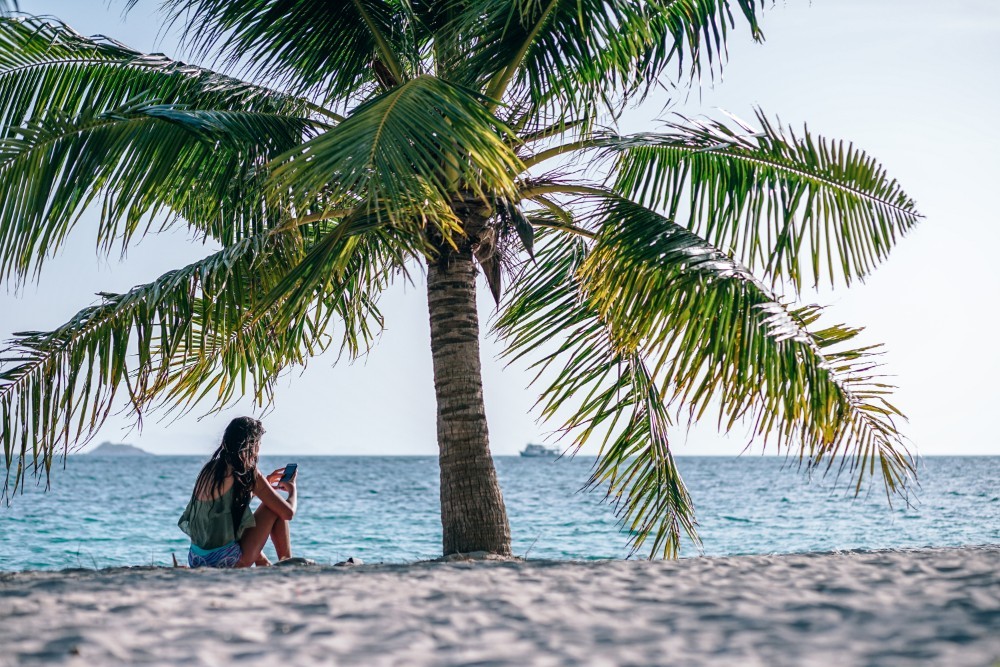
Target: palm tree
point(367, 138)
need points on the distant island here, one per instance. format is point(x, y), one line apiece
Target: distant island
point(111, 449)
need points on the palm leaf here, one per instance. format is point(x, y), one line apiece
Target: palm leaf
point(576, 58)
point(712, 332)
point(782, 202)
point(610, 396)
point(333, 49)
point(198, 333)
point(138, 161)
point(408, 153)
point(692, 30)
point(88, 120)
point(654, 318)
point(302, 323)
point(332, 259)
point(46, 66)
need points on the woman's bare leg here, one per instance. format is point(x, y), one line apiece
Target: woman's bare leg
point(254, 538)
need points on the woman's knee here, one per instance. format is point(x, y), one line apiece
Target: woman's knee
point(264, 516)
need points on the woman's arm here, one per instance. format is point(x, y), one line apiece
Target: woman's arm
point(284, 508)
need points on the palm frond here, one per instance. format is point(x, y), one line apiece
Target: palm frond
point(87, 120)
point(333, 257)
point(576, 58)
point(346, 300)
point(693, 30)
point(649, 318)
point(713, 333)
point(443, 26)
point(333, 49)
point(408, 153)
point(195, 334)
point(611, 396)
point(46, 66)
point(205, 166)
point(779, 201)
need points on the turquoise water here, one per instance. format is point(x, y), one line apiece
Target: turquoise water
point(103, 512)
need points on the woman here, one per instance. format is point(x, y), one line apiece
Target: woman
point(224, 532)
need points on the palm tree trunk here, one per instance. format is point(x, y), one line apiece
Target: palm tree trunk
point(473, 515)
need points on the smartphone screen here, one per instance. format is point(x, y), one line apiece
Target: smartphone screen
point(289, 471)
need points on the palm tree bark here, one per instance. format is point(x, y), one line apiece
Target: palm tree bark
point(473, 516)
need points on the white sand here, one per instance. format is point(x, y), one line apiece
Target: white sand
point(922, 607)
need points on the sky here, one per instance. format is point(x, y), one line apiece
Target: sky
point(912, 82)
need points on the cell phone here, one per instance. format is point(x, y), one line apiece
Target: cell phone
point(289, 471)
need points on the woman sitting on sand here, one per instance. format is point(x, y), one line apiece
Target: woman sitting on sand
point(224, 532)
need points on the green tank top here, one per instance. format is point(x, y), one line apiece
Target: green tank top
point(210, 522)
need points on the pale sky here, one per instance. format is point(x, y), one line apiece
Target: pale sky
point(912, 82)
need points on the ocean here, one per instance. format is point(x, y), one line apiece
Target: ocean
point(114, 511)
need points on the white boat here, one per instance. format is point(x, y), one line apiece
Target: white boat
point(540, 451)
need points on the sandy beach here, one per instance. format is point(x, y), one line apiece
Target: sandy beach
point(920, 607)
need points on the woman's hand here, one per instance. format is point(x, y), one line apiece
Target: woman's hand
point(265, 490)
point(274, 479)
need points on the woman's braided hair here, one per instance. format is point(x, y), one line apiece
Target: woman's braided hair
point(237, 455)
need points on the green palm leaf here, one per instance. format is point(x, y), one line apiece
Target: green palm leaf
point(571, 58)
point(713, 332)
point(335, 49)
point(198, 333)
point(408, 153)
point(609, 395)
point(89, 120)
point(785, 203)
point(303, 324)
point(139, 161)
point(654, 318)
point(332, 258)
point(46, 66)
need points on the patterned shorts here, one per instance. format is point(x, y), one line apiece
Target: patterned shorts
point(225, 556)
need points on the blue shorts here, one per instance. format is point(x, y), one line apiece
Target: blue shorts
point(225, 556)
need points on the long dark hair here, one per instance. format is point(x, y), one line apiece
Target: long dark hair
point(237, 455)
